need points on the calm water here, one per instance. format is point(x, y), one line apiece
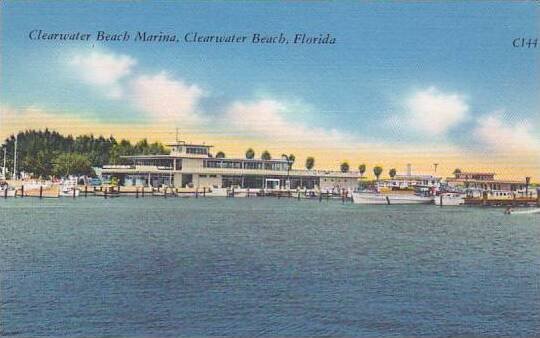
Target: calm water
point(168, 267)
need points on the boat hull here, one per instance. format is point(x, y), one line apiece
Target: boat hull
point(389, 199)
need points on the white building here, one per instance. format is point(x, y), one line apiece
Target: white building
point(193, 166)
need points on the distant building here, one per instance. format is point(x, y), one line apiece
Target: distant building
point(485, 181)
point(192, 165)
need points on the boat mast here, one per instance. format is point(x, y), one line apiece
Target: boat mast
point(15, 159)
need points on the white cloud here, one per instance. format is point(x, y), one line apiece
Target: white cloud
point(103, 69)
point(431, 112)
point(268, 118)
point(164, 97)
point(500, 135)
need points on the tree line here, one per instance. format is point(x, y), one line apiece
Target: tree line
point(310, 163)
point(47, 153)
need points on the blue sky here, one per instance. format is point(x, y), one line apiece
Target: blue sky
point(390, 58)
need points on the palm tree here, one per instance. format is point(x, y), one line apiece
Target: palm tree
point(250, 154)
point(457, 171)
point(392, 172)
point(362, 169)
point(266, 155)
point(377, 171)
point(344, 167)
point(310, 163)
point(220, 154)
point(290, 160)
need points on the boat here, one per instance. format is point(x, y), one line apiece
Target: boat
point(7, 191)
point(511, 211)
point(449, 198)
point(389, 198)
point(217, 192)
point(69, 188)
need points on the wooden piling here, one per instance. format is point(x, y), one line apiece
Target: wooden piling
point(298, 197)
point(22, 190)
point(137, 192)
point(5, 192)
point(85, 191)
point(204, 191)
point(165, 192)
point(40, 191)
point(74, 191)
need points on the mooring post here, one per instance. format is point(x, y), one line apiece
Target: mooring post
point(105, 193)
point(40, 191)
point(298, 197)
point(165, 192)
point(74, 191)
point(5, 192)
point(85, 191)
point(204, 192)
point(137, 192)
point(22, 191)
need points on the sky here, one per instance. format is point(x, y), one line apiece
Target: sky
point(418, 83)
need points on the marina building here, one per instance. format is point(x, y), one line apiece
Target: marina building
point(484, 181)
point(193, 166)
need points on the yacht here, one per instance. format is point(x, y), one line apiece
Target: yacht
point(392, 197)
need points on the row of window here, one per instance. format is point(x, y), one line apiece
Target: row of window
point(255, 165)
point(197, 150)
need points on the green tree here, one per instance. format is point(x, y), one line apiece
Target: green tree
point(67, 164)
point(266, 155)
point(392, 173)
point(457, 171)
point(310, 163)
point(250, 154)
point(344, 167)
point(377, 171)
point(220, 154)
point(362, 169)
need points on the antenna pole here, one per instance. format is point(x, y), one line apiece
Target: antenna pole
point(15, 160)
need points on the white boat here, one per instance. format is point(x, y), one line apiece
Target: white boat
point(389, 198)
point(217, 192)
point(449, 198)
point(69, 188)
point(522, 212)
point(7, 191)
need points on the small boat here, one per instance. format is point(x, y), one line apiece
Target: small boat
point(7, 191)
point(510, 211)
point(449, 198)
point(217, 192)
point(69, 188)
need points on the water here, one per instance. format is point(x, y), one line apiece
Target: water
point(199, 267)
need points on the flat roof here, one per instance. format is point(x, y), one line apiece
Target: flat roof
point(181, 143)
point(165, 156)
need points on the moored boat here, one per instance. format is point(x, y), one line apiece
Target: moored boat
point(449, 198)
point(390, 198)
